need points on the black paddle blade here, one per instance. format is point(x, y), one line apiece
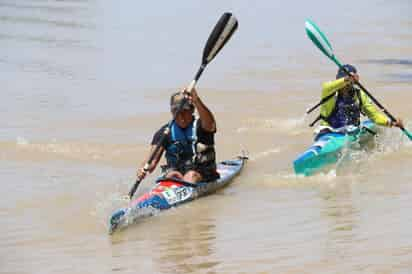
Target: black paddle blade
point(222, 32)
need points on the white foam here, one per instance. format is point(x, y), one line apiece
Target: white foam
point(264, 154)
point(322, 176)
point(108, 202)
point(21, 141)
point(294, 125)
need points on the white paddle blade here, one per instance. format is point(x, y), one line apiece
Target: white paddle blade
point(221, 33)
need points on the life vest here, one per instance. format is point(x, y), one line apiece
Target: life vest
point(347, 110)
point(185, 151)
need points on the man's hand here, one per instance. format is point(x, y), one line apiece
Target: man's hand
point(353, 78)
point(141, 173)
point(397, 123)
point(191, 96)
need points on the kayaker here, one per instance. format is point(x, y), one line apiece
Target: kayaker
point(189, 146)
point(344, 103)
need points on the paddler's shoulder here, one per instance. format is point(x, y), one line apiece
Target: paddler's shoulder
point(334, 84)
point(161, 130)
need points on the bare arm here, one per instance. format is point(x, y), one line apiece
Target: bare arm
point(205, 115)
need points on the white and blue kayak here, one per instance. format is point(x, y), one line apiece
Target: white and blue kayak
point(327, 148)
point(168, 193)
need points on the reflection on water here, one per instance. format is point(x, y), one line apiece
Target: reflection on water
point(34, 20)
point(51, 41)
point(47, 7)
point(401, 77)
point(403, 62)
point(188, 249)
point(342, 218)
point(181, 240)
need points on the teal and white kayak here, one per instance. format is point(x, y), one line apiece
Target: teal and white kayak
point(328, 147)
point(168, 193)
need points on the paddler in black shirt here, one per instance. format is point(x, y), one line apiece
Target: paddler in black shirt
point(189, 144)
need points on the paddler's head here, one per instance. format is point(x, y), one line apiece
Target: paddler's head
point(181, 109)
point(348, 89)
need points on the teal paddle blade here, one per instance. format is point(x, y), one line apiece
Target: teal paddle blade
point(320, 40)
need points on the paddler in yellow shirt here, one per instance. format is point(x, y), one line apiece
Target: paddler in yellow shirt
point(343, 103)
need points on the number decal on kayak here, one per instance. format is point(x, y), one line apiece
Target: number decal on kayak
point(175, 195)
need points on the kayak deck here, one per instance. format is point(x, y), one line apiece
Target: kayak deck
point(328, 147)
point(169, 193)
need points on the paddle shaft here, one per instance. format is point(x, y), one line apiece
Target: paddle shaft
point(197, 76)
point(320, 103)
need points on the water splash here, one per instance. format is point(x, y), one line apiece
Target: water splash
point(107, 203)
point(388, 141)
point(391, 140)
point(295, 125)
point(21, 141)
point(264, 154)
point(326, 176)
